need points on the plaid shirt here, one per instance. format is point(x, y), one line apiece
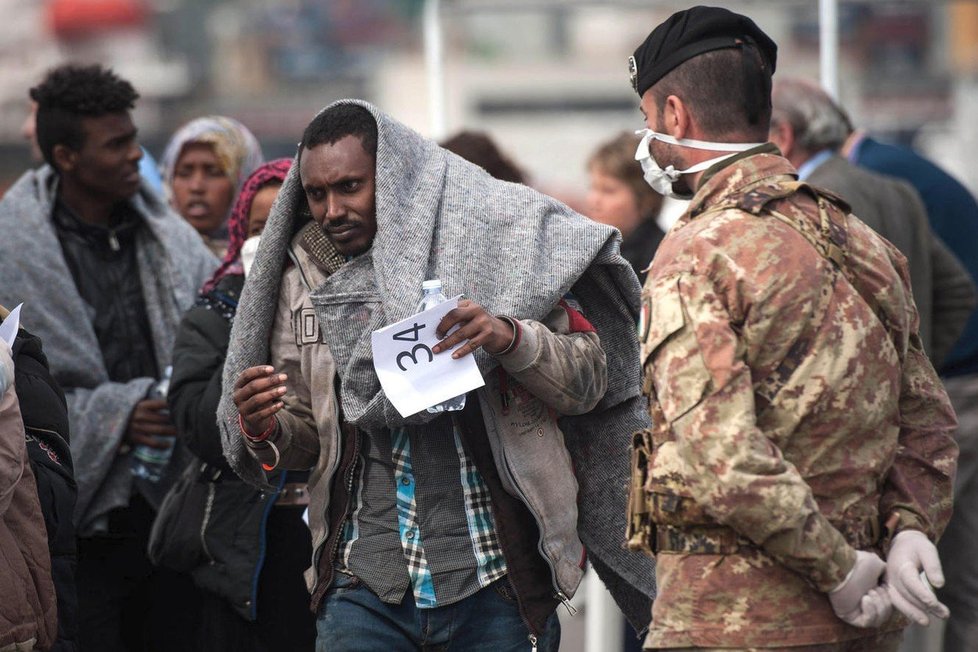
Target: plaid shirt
point(483, 548)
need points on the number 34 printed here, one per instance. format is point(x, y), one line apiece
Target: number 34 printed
point(412, 335)
point(412, 375)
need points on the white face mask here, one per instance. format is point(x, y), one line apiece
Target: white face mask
point(248, 251)
point(662, 180)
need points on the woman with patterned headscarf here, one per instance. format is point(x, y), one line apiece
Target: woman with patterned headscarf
point(253, 595)
point(203, 167)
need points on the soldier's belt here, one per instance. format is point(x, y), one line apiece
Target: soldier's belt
point(698, 540)
point(863, 534)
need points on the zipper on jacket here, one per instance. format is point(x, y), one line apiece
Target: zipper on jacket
point(533, 642)
point(206, 521)
point(350, 475)
point(564, 600)
point(212, 476)
point(503, 391)
point(328, 473)
point(522, 496)
point(113, 241)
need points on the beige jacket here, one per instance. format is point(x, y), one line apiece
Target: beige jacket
point(28, 606)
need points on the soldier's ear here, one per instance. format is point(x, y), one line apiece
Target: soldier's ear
point(676, 119)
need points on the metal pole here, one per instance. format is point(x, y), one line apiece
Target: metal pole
point(434, 58)
point(604, 628)
point(828, 40)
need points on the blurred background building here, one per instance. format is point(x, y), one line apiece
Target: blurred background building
point(546, 78)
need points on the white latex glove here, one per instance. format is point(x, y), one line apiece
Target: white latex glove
point(860, 600)
point(911, 553)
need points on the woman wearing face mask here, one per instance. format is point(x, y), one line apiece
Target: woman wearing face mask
point(620, 197)
point(203, 167)
point(248, 536)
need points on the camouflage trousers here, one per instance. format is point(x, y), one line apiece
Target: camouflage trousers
point(883, 642)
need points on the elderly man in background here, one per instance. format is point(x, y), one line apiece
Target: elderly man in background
point(809, 127)
point(953, 214)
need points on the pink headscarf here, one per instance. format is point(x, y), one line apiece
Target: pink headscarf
point(271, 172)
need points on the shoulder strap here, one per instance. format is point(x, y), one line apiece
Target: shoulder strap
point(831, 238)
point(830, 241)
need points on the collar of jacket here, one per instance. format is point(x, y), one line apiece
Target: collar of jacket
point(737, 174)
point(314, 241)
point(766, 148)
point(123, 224)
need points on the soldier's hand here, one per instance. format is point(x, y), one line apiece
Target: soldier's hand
point(475, 325)
point(258, 394)
point(911, 553)
point(875, 609)
point(860, 600)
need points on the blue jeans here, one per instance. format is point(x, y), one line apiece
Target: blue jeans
point(353, 619)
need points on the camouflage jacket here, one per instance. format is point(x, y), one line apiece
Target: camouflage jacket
point(795, 410)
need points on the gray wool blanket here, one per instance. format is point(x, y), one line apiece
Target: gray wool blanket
point(509, 248)
point(173, 264)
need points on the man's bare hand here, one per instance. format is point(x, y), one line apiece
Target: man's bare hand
point(258, 394)
point(148, 423)
point(475, 325)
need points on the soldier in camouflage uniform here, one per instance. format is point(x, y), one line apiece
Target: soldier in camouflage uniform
point(801, 435)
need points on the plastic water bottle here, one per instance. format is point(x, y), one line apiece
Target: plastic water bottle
point(432, 297)
point(149, 463)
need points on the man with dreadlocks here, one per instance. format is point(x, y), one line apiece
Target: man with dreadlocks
point(105, 270)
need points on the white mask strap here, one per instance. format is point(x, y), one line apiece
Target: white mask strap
point(648, 134)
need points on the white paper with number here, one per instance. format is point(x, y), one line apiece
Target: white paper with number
point(8, 329)
point(412, 376)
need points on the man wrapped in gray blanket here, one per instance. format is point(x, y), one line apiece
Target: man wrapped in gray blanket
point(453, 529)
point(105, 270)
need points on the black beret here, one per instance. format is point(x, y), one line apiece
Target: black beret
point(692, 32)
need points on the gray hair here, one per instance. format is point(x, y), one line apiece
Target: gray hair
point(818, 122)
